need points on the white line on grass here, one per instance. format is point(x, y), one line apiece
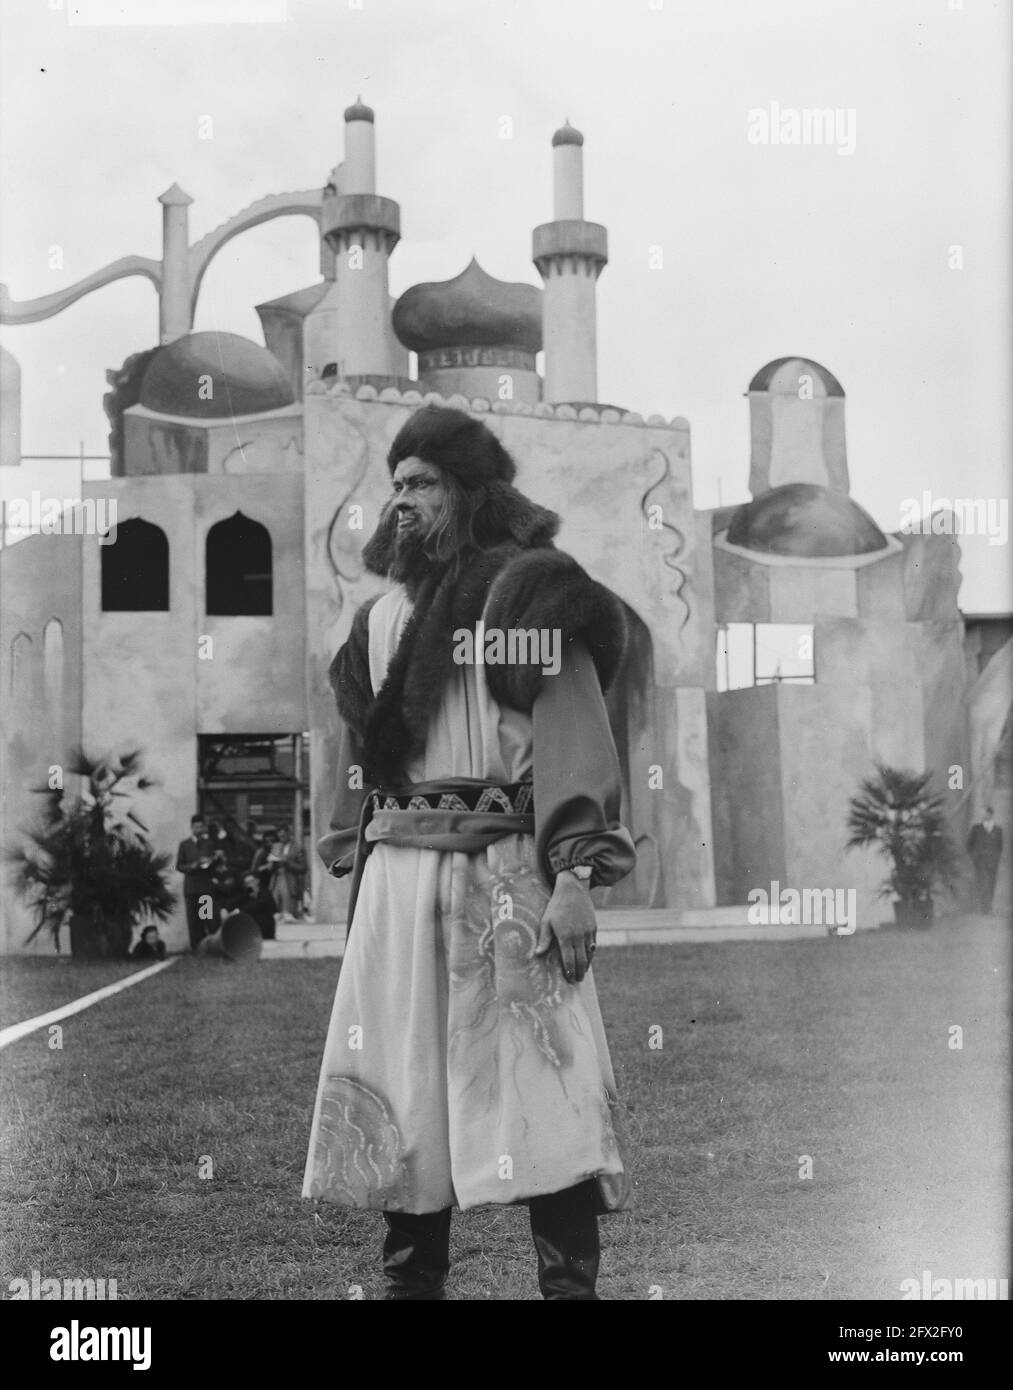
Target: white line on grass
point(31, 1025)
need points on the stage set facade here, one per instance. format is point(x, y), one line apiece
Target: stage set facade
point(778, 649)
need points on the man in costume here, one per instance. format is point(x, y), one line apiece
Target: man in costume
point(466, 1062)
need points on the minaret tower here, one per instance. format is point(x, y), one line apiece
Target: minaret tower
point(361, 229)
point(174, 298)
point(570, 255)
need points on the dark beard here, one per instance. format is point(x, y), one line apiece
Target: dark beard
point(399, 555)
point(410, 563)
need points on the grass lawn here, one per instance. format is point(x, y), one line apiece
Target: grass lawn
point(839, 1050)
point(32, 985)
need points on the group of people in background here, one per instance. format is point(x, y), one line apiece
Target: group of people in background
point(262, 871)
point(257, 870)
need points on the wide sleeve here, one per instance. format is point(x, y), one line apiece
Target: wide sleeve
point(577, 784)
point(337, 847)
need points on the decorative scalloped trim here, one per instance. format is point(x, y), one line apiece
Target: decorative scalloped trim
point(479, 405)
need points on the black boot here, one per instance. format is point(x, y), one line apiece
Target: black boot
point(564, 1226)
point(416, 1254)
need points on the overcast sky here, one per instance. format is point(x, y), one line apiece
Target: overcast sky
point(768, 250)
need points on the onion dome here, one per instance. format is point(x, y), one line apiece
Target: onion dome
point(211, 376)
point(472, 310)
point(567, 135)
point(806, 521)
point(780, 377)
point(358, 112)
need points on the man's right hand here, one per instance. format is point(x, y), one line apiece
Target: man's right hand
point(569, 924)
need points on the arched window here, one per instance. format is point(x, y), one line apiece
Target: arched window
point(237, 568)
point(135, 569)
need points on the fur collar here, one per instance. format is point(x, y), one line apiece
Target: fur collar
point(510, 586)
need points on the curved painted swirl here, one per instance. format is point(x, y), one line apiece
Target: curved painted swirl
point(673, 554)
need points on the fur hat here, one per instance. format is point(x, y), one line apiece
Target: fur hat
point(455, 442)
point(470, 452)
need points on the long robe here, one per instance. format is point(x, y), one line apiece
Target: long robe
point(459, 1067)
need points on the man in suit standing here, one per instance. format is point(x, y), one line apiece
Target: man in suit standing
point(984, 845)
point(193, 860)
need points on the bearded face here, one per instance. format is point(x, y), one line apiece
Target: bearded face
point(423, 524)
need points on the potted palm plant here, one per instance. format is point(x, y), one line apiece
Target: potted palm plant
point(897, 814)
point(88, 863)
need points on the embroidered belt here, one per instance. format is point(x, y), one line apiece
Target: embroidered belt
point(461, 814)
point(457, 794)
point(457, 814)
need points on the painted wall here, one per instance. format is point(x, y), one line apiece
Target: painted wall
point(785, 761)
point(828, 736)
point(266, 443)
point(145, 682)
point(888, 689)
point(746, 791)
point(40, 581)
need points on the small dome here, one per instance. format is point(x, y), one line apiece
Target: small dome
point(245, 378)
point(567, 135)
point(472, 310)
point(780, 377)
point(807, 521)
point(358, 112)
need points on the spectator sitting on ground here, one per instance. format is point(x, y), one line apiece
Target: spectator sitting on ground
point(225, 884)
point(150, 946)
point(257, 902)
